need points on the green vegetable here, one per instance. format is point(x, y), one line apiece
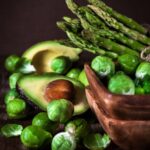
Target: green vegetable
point(41, 120)
point(103, 66)
point(121, 84)
point(78, 41)
point(10, 130)
point(74, 23)
point(95, 141)
point(61, 64)
point(143, 70)
point(11, 62)
point(107, 33)
point(122, 18)
point(35, 137)
point(113, 23)
point(91, 22)
point(88, 15)
point(82, 43)
point(10, 95)
point(128, 63)
point(108, 44)
point(13, 80)
point(16, 108)
point(60, 110)
point(79, 127)
point(146, 84)
point(83, 78)
point(139, 91)
point(63, 141)
point(74, 73)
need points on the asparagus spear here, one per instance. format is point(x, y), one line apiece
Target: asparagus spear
point(84, 44)
point(107, 43)
point(79, 11)
point(91, 17)
point(112, 22)
point(86, 13)
point(74, 38)
point(122, 18)
point(77, 40)
point(74, 24)
point(112, 35)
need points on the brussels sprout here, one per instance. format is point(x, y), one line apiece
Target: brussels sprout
point(128, 62)
point(61, 64)
point(103, 66)
point(16, 108)
point(143, 70)
point(35, 137)
point(24, 66)
point(139, 91)
point(79, 127)
point(11, 62)
point(41, 120)
point(10, 95)
point(11, 130)
point(60, 110)
point(74, 73)
point(83, 78)
point(146, 84)
point(63, 141)
point(96, 142)
point(13, 80)
point(121, 84)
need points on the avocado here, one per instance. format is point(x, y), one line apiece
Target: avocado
point(33, 87)
point(43, 53)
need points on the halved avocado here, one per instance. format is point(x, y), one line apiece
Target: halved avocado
point(43, 53)
point(33, 87)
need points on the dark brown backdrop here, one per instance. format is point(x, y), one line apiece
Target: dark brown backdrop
point(25, 22)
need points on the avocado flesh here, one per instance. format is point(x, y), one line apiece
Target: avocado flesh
point(43, 53)
point(33, 87)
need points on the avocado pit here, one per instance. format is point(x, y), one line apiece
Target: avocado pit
point(59, 89)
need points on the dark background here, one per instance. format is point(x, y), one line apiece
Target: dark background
point(26, 22)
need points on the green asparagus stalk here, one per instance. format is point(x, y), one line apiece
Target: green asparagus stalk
point(113, 35)
point(95, 22)
point(84, 44)
point(73, 23)
point(86, 13)
point(122, 18)
point(74, 38)
point(77, 40)
point(91, 17)
point(107, 43)
point(112, 22)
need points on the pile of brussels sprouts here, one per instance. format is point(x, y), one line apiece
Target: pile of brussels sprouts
point(57, 127)
point(128, 75)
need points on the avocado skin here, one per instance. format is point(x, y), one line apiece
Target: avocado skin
point(29, 102)
point(81, 105)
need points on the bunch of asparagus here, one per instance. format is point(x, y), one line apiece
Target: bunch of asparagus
point(100, 29)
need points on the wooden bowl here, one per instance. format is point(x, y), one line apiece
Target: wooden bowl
point(125, 107)
point(124, 118)
point(127, 134)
